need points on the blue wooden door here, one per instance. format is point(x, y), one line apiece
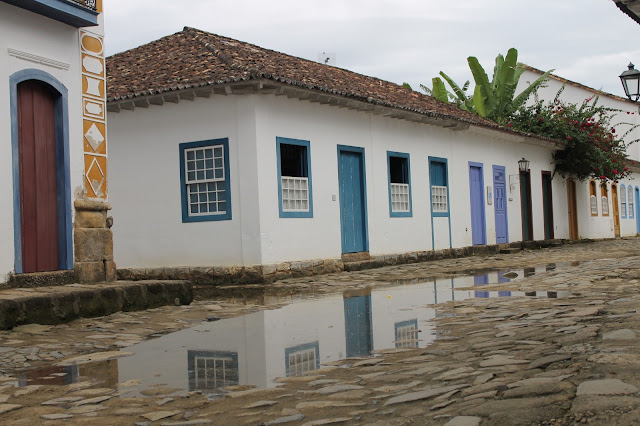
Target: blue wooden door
point(500, 204)
point(353, 210)
point(637, 210)
point(357, 325)
point(478, 223)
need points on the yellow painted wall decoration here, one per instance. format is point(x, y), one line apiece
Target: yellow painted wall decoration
point(94, 126)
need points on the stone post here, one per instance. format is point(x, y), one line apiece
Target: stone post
point(93, 242)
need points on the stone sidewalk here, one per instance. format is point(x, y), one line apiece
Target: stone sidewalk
point(528, 360)
point(58, 304)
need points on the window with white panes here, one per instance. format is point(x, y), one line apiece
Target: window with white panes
point(593, 198)
point(399, 184)
point(302, 359)
point(210, 370)
point(605, 199)
point(294, 178)
point(439, 199)
point(439, 186)
point(407, 334)
point(630, 202)
point(623, 201)
point(205, 180)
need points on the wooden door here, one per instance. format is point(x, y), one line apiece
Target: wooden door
point(525, 205)
point(637, 207)
point(38, 187)
point(572, 209)
point(476, 188)
point(500, 204)
point(353, 217)
point(616, 209)
point(547, 205)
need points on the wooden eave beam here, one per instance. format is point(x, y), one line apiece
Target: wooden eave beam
point(141, 103)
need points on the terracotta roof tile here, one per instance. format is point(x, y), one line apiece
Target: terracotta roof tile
point(192, 58)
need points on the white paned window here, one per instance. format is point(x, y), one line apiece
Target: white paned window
point(623, 201)
point(400, 197)
point(295, 194)
point(594, 205)
point(302, 361)
point(294, 177)
point(399, 184)
point(439, 200)
point(205, 180)
point(605, 205)
point(407, 336)
point(630, 203)
point(214, 372)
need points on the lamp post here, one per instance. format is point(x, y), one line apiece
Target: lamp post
point(631, 83)
point(523, 165)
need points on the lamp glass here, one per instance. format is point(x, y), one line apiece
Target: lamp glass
point(523, 165)
point(631, 83)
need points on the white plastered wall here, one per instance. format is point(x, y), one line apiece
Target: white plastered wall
point(326, 127)
point(493, 148)
point(34, 34)
point(144, 170)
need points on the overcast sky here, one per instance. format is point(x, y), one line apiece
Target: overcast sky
point(588, 41)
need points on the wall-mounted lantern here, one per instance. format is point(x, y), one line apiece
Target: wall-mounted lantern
point(631, 83)
point(523, 165)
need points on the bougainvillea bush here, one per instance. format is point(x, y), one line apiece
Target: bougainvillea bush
point(593, 148)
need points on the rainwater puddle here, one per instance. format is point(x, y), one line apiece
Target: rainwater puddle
point(257, 348)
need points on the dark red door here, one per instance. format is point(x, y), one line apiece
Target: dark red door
point(38, 189)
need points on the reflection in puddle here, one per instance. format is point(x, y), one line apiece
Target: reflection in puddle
point(257, 348)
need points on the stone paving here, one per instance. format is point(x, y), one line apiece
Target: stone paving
point(551, 361)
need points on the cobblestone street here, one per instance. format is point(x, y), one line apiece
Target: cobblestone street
point(565, 352)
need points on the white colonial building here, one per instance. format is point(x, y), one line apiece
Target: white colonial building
point(225, 154)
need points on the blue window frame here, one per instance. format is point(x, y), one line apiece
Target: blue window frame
point(439, 181)
point(631, 205)
point(295, 196)
point(399, 178)
point(204, 180)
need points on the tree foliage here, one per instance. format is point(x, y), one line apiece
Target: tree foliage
point(592, 148)
point(493, 99)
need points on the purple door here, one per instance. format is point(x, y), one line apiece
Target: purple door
point(476, 185)
point(500, 204)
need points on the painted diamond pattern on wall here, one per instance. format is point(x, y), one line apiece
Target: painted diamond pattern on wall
point(94, 137)
point(96, 178)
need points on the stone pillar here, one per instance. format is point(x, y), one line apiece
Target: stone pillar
point(93, 242)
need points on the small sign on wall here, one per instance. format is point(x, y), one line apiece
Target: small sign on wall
point(489, 195)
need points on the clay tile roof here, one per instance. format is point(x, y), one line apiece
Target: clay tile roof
point(192, 58)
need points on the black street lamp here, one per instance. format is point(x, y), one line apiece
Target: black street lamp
point(631, 83)
point(523, 165)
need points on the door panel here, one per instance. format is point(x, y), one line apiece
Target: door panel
point(572, 209)
point(525, 204)
point(353, 218)
point(38, 186)
point(616, 209)
point(500, 204)
point(637, 192)
point(357, 323)
point(478, 223)
point(547, 205)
